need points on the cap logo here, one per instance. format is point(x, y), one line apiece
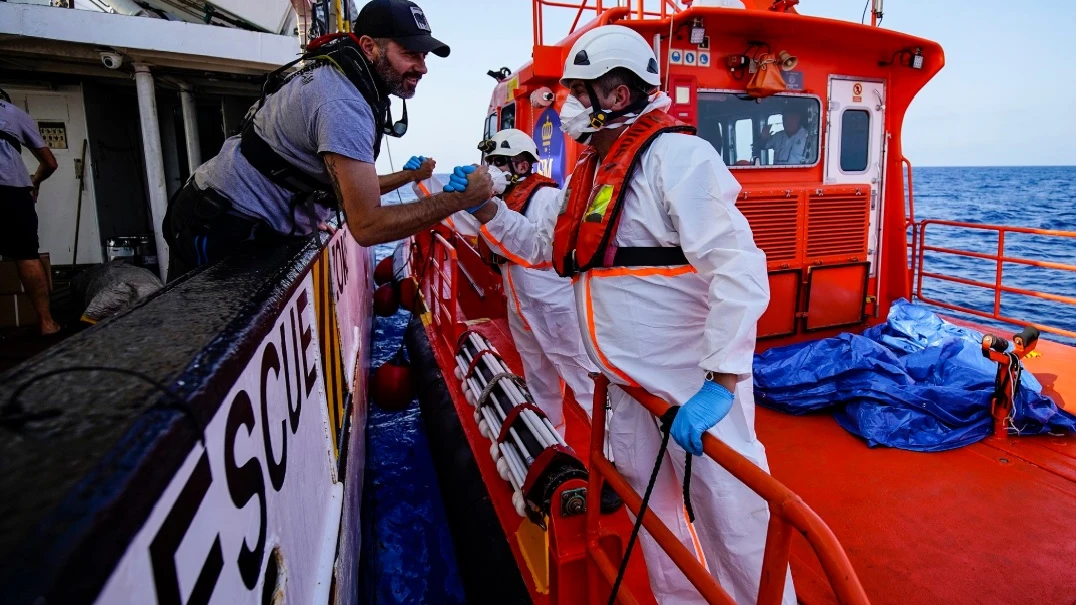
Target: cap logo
point(420, 19)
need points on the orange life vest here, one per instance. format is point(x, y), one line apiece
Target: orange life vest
point(517, 199)
point(591, 214)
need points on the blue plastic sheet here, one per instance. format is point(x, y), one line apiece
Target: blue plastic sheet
point(915, 382)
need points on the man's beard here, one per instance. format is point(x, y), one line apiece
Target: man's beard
point(395, 83)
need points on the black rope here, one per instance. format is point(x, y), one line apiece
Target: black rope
point(687, 488)
point(666, 425)
point(13, 414)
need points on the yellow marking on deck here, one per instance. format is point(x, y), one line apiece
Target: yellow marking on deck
point(534, 545)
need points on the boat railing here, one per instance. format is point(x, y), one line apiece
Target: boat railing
point(441, 290)
point(1000, 259)
point(909, 222)
point(788, 515)
point(636, 9)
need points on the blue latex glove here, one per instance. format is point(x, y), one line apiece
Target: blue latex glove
point(414, 162)
point(474, 209)
point(698, 414)
point(458, 181)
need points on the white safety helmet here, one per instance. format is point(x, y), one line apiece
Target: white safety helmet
point(606, 48)
point(510, 142)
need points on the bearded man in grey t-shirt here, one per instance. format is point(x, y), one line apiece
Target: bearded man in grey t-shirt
point(310, 148)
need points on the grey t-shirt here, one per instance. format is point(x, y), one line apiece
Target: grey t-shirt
point(20, 125)
point(315, 112)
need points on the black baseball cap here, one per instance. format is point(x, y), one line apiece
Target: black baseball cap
point(401, 21)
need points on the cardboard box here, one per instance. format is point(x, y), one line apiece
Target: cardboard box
point(9, 276)
point(16, 310)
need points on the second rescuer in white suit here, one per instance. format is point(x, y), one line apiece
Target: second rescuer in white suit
point(541, 306)
point(669, 303)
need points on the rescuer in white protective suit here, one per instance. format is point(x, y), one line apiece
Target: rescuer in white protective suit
point(541, 304)
point(669, 286)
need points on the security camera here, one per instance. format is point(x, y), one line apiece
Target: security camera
point(543, 97)
point(111, 60)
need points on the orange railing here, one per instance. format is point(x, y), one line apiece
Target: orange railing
point(788, 515)
point(1000, 259)
point(909, 223)
point(441, 290)
point(634, 8)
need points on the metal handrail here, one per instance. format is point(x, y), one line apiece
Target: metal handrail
point(442, 291)
point(1000, 259)
point(634, 8)
point(788, 515)
point(909, 223)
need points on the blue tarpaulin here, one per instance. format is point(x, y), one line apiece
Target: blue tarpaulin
point(915, 382)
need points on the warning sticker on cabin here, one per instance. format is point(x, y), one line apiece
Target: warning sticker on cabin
point(691, 58)
point(857, 93)
point(704, 58)
point(676, 57)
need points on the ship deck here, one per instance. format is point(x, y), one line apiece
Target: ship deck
point(982, 524)
point(987, 523)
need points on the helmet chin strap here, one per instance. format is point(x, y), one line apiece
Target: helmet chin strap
point(600, 117)
point(514, 176)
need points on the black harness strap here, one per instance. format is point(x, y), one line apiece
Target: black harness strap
point(656, 256)
point(273, 166)
point(11, 140)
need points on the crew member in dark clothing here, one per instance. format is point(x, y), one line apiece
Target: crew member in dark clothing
point(18, 195)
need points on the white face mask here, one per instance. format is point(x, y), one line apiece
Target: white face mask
point(575, 119)
point(500, 179)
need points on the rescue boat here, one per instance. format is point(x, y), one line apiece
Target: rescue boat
point(980, 524)
point(206, 446)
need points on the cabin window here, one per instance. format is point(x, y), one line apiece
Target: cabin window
point(491, 126)
point(508, 117)
point(855, 140)
point(777, 131)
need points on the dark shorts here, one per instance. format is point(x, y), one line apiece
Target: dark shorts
point(18, 224)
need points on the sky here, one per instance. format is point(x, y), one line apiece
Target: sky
point(989, 106)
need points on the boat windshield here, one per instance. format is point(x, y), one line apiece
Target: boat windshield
point(781, 130)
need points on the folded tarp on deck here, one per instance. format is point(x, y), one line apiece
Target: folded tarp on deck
point(915, 382)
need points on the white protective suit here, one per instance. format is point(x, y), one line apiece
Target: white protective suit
point(542, 317)
point(662, 328)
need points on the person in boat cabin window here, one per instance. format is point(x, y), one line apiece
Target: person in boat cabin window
point(669, 286)
point(308, 147)
point(790, 143)
point(781, 130)
point(18, 195)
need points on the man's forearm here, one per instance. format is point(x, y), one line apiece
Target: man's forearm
point(391, 182)
point(44, 171)
point(390, 223)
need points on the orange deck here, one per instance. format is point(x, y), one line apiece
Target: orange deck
point(988, 523)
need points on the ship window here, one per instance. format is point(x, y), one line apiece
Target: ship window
point(781, 130)
point(491, 126)
point(508, 117)
point(855, 140)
